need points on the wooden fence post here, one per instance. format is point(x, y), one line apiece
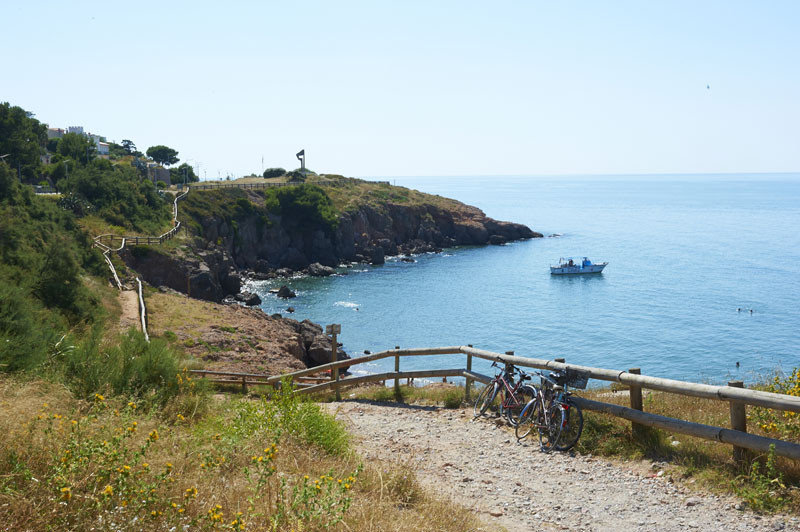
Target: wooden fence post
point(334, 358)
point(468, 385)
point(738, 422)
point(397, 370)
point(244, 384)
point(635, 393)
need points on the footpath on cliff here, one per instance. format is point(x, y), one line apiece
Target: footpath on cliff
point(479, 465)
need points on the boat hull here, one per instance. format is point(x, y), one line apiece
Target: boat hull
point(577, 270)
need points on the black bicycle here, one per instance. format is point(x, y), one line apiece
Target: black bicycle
point(553, 413)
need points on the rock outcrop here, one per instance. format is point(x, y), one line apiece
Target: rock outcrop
point(266, 245)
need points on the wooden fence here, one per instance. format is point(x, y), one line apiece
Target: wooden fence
point(142, 311)
point(212, 186)
point(737, 396)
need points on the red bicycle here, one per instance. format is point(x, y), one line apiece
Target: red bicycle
point(514, 393)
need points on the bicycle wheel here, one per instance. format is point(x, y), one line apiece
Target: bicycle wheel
point(523, 396)
point(528, 419)
point(485, 399)
point(550, 428)
point(571, 426)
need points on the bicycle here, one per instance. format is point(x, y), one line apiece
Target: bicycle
point(515, 395)
point(553, 413)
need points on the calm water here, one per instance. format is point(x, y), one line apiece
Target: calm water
point(684, 253)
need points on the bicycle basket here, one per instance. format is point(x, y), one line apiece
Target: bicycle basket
point(577, 380)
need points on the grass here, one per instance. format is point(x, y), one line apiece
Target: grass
point(765, 482)
point(351, 194)
point(276, 463)
point(449, 396)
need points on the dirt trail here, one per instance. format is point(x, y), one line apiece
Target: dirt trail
point(480, 465)
point(129, 301)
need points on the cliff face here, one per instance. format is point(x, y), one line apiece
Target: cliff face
point(256, 240)
point(366, 235)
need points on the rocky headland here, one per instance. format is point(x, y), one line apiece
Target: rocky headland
point(236, 234)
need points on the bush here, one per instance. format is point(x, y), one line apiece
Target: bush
point(24, 339)
point(286, 414)
point(133, 368)
point(160, 185)
point(306, 207)
point(274, 172)
point(119, 195)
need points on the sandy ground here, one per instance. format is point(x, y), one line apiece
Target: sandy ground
point(480, 465)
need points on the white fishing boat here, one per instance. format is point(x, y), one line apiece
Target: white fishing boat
point(576, 265)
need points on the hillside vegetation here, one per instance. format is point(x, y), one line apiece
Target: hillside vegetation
point(104, 430)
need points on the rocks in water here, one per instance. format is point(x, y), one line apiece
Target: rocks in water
point(407, 259)
point(497, 240)
point(286, 292)
point(248, 298)
point(284, 272)
point(277, 316)
point(318, 270)
point(367, 352)
point(290, 310)
point(376, 255)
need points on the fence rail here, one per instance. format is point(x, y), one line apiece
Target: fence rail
point(211, 186)
point(142, 311)
point(737, 397)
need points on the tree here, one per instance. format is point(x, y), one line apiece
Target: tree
point(163, 155)
point(22, 139)
point(77, 147)
point(128, 146)
point(273, 172)
point(176, 175)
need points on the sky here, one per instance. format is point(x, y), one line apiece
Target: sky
point(408, 88)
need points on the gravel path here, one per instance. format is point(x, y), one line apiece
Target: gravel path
point(480, 465)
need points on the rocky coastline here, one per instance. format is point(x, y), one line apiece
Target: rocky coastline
point(226, 250)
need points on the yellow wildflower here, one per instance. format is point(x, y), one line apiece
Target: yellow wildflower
point(66, 494)
point(108, 491)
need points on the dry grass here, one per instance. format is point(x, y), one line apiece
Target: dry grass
point(445, 395)
point(351, 194)
point(702, 463)
point(74, 465)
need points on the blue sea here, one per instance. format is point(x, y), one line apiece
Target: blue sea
point(684, 252)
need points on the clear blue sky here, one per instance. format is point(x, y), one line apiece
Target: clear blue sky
point(420, 88)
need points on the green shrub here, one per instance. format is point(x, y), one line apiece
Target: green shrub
point(273, 172)
point(287, 414)
point(119, 195)
point(133, 368)
point(24, 338)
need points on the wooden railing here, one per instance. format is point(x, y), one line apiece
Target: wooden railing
point(142, 311)
point(212, 186)
point(737, 397)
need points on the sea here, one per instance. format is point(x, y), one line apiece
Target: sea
point(690, 256)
